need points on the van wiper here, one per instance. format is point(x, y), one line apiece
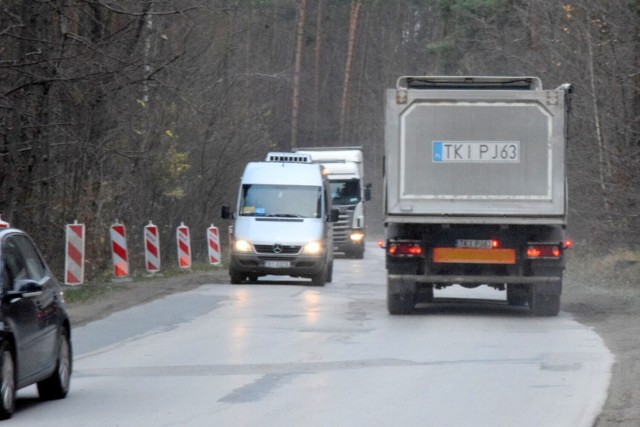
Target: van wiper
point(286, 215)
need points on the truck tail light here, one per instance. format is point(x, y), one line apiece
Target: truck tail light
point(404, 248)
point(544, 251)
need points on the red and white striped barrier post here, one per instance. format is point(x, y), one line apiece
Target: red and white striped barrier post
point(183, 240)
point(214, 245)
point(3, 224)
point(151, 248)
point(74, 254)
point(119, 252)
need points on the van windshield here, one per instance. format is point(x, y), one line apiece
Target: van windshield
point(298, 201)
point(345, 191)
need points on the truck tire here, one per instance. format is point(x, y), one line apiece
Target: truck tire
point(236, 276)
point(424, 294)
point(517, 295)
point(358, 253)
point(330, 272)
point(544, 304)
point(399, 303)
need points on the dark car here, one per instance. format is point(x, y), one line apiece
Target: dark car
point(35, 346)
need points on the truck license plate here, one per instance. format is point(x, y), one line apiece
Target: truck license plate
point(472, 243)
point(476, 151)
point(277, 264)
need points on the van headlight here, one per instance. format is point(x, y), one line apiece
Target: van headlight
point(242, 246)
point(312, 248)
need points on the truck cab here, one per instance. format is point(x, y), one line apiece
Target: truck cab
point(282, 221)
point(344, 168)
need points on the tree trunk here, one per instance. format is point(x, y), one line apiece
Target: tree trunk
point(355, 8)
point(604, 167)
point(296, 75)
point(316, 82)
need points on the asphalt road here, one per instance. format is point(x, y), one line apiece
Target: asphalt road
point(285, 353)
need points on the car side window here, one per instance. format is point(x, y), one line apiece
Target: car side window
point(20, 261)
point(13, 264)
point(35, 269)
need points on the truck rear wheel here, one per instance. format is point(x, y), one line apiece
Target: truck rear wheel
point(424, 294)
point(544, 303)
point(399, 303)
point(517, 295)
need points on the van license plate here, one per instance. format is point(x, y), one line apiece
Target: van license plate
point(277, 264)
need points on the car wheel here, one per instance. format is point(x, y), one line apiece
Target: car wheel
point(330, 272)
point(7, 382)
point(57, 385)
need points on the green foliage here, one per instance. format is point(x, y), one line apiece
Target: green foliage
point(443, 46)
point(89, 292)
point(177, 162)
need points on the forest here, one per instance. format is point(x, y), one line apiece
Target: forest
point(149, 109)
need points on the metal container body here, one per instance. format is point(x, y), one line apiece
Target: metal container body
point(472, 153)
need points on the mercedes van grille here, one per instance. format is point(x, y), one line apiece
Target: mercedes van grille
point(283, 249)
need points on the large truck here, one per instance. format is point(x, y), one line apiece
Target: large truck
point(345, 168)
point(282, 221)
point(475, 189)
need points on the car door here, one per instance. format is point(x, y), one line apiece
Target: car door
point(30, 305)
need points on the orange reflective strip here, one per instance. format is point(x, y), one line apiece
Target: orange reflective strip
point(474, 255)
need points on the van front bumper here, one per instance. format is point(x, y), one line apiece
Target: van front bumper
point(299, 265)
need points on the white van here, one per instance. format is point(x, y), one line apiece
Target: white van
point(283, 221)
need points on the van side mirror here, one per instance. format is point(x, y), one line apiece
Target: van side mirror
point(335, 215)
point(367, 192)
point(226, 212)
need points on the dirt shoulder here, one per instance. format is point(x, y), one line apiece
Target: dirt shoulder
point(120, 296)
point(615, 316)
point(613, 312)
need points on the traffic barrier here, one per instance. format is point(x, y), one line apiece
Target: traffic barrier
point(3, 224)
point(214, 245)
point(74, 254)
point(184, 246)
point(119, 251)
point(151, 248)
